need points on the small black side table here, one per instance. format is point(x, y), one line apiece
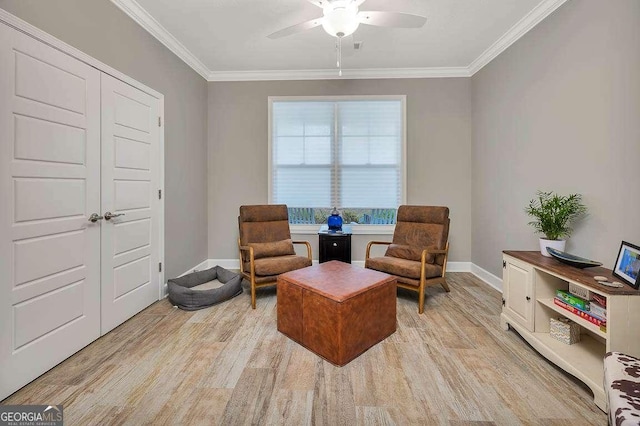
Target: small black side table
point(334, 246)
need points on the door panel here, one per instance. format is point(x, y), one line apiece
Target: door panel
point(131, 235)
point(39, 315)
point(132, 154)
point(49, 198)
point(131, 194)
point(43, 256)
point(131, 276)
point(49, 82)
point(49, 185)
point(130, 180)
point(46, 141)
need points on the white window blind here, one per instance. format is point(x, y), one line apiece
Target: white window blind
point(338, 152)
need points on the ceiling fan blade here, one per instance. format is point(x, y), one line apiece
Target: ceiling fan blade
point(391, 19)
point(296, 28)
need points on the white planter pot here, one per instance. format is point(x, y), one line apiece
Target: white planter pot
point(555, 244)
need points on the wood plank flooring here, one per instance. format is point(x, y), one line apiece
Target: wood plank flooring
point(228, 365)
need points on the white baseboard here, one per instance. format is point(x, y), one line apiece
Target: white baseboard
point(225, 263)
point(487, 277)
point(235, 264)
point(458, 266)
point(484, 275)
point(199, 267)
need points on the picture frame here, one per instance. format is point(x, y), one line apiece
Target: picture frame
point(627, 266)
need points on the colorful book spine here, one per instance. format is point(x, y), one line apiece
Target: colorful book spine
point(572, 300)
point(584, 315)
point(600, 299)
point(597, 310)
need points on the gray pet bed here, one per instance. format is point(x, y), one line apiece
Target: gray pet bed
point(183, 296)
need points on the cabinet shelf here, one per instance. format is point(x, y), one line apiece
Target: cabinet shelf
point(530, 283)
point(573, 317)
point(584, 359)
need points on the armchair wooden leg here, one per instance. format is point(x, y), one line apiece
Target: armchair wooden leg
point(445, 285)
point(253, 295)
point(421, 299)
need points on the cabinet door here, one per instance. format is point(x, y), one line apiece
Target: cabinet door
point(518, 292)
point(49, 186)
point(335, 248)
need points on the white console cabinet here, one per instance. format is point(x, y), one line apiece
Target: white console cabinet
point(530, 281)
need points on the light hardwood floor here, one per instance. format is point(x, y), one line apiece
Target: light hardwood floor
point(228, 364)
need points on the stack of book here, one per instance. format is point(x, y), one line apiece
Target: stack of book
point(591, 311)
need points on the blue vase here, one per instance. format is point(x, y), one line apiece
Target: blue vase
point(334, 221)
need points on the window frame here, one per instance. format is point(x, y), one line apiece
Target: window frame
point(356, 228)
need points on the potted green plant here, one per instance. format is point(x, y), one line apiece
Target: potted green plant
point(554, 216)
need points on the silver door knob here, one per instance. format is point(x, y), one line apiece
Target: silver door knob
point(109, 215)
point(95, 217)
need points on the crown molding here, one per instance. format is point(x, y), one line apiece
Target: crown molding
point(148, 22)
point(533, 18)
point(332, 74)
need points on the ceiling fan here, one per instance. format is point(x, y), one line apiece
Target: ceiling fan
point(342, 17)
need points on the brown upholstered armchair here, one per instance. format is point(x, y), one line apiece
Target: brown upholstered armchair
point(266, 249)
point(417, 256)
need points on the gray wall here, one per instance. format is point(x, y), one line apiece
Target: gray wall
point(100, 29)
point(560, 110)
point(438, 151)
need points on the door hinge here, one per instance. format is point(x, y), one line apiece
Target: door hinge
point(503, 301)
point(159, 121)
point(159, 194)
point(504, 264)
point(160, 267)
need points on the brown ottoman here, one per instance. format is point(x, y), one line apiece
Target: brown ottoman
point(337, 310)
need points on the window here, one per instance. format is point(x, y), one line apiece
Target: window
point(346, 152)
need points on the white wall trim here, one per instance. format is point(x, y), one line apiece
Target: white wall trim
point(480, 273)
point(487, 277)
point(458, 266)
point(235, 264)
point(332, 74)
point(149, 23)
point(199, 267)
point(526, 24)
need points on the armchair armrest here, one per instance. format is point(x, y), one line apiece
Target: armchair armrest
point(251, 259)
point(427, 251)
point(373, 243)
point(308, 247)
point(434, 251)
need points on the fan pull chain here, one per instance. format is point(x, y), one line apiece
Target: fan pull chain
point(339, 56)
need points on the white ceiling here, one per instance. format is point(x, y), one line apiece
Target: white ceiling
point(227, 39)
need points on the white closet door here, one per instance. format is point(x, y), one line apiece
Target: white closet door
point(130, 182)
point(49, 186)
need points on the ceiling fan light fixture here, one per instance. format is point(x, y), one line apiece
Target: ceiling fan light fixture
point(340, 19)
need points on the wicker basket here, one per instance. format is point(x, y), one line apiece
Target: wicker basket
point(564, 330)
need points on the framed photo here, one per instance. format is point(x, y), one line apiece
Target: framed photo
point(627, 265)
